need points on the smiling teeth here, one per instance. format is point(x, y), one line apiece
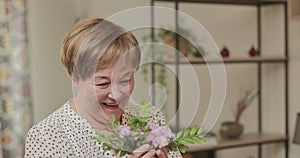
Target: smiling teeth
point(111, 104)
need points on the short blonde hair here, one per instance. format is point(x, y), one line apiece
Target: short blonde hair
point(95, 43)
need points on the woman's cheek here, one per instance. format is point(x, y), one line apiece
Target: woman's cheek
point(101, 94)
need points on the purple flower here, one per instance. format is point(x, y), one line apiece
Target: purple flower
point(124, 130)
point(160, 135)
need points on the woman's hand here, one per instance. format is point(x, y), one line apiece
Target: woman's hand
point(162, 152)
point(145, 151)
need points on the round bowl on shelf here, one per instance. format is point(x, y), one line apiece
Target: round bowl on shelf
point(231, 130)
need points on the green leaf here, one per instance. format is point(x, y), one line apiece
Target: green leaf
point(179, 135)
point(122, 153)
point(144, 110)
point(198, 140)
point(112, 119)
point(143, 103)
point(118, 124)
point(183, 149)
point(182, 141)
point(186, 132)
point(199, 131)
point(173, 147)
point(190, 140)
point(203, 139)
point(194, 130)
point(98, 132)
point(176, 143)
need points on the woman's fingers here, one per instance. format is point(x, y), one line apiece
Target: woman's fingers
point(149, 154)
point(144, 151)
point(162, 152)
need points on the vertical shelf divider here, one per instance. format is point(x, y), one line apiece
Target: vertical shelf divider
point(259, 76)
point(286, 79)
point(177, 66)
point(152, 54)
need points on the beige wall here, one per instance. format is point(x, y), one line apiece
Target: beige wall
point(294, 99)
point(50, 20)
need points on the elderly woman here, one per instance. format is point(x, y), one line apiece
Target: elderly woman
point(100, 58)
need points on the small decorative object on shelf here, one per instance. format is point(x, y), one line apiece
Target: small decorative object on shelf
point(225, 52)
point(233, 129)
point(124, 139)
point(252, 52)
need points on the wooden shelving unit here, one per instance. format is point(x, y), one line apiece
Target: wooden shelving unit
point(260, 137)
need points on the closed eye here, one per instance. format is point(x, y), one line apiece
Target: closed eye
point(125, 81)
point(103, 85)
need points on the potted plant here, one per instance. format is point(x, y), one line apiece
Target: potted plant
point(185, 46)
point(168, 37)
point(233, 129)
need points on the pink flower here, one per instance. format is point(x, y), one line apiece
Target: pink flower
point(160, 135)
point(124, 130)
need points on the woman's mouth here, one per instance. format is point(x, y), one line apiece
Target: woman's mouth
point(111, 105)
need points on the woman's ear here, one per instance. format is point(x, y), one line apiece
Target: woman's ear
point(75, 82)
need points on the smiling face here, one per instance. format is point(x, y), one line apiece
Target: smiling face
point(100, 58)
point(108, 91)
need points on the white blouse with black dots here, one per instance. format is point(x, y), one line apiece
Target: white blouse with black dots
point(65, 134)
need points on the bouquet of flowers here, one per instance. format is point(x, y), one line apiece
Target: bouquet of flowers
point(124, 139)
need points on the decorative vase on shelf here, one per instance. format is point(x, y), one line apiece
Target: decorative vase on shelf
point(231, 130)
point(225, 52)
point(253, 52)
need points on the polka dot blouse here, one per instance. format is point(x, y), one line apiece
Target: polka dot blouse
point(65, 134)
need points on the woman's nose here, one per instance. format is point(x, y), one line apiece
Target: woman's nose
point(115, 93)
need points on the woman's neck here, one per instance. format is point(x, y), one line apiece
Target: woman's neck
point(97, 123)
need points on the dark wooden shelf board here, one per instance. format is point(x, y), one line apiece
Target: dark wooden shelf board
point(239, 2)
point(207, 60)
point(244, 140)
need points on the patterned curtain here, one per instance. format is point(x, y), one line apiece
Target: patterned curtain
point(15, 102)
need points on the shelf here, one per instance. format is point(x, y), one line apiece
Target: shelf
point(264, 59)
point(259, 138)
point(244, 140)
point(238, 2)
